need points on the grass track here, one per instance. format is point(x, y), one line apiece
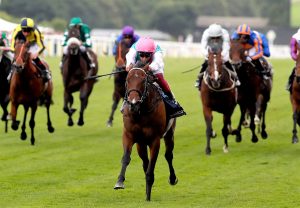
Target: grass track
point(78, 166)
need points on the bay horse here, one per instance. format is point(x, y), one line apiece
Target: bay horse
point(119, 78)
point(74, 71)
point(145, 123)
point(295, 99)
point(253, 93)
point(5, 67)
point(218, 93)
point(27, 88)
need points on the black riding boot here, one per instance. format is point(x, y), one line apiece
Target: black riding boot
point(262, 71)
point(176, 110)
point(290, 80)
point(90, 62)
point(200, 75)
point(44, 72)
point(234, 75)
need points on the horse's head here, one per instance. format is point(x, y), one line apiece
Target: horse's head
point(214, 70)
point(237, 53)
point(22, 55)
point(73, 45)
point(122, 49)
point(74, 32)
point(136, 89)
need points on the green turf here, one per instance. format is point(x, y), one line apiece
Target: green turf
point(295, 13)
point(78, 166)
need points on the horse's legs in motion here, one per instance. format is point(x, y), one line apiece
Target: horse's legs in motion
point(154, 150)
point(32, 123)
point(127, 145)
point(169, 142)
point(237, 132)
point(225, 130)
point(23, 133)
point(252, 124)
point(114, 106)
point(85, 92)
point(208, 120)
point(13, 112)
point(295, 118)
point(143, 153)
point(263, 132)
point(49, 123)
point(5, 114)
point(68, 102)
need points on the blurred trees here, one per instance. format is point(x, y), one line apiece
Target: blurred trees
point(173, 16)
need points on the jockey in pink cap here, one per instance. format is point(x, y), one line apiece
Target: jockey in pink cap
point(146, 51)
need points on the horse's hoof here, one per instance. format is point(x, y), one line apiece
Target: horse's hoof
point(213, 134)
point(238, 138)
point(264, 135)
point(70, 122)
point(23, 135)
point(208, 151)
point(80, 123)
point(50, 129)
point(109, 124)
point(295, 140)
point(119, 185)
point(225, 149)
point(173, 182)
point(32, 141)
point(254, 139)
point(15, 125)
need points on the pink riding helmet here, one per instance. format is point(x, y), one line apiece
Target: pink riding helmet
point(145, 44)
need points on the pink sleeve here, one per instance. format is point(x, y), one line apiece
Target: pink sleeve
point(293, 47)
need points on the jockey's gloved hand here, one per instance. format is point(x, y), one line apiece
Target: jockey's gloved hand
point(248, 58)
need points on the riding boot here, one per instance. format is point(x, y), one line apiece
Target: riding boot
point(88, 60)
point(261, 70)
point(200, 75)
point(290, 81)
point(177, 110)
point(44, 71)
point(234, 74)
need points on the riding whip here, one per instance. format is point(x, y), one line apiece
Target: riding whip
point(192, 69)
point(103, 75)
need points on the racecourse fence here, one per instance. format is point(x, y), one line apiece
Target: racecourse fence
point(103, 47)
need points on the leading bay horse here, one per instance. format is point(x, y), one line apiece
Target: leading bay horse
point(74, 71)
point(27, 88)
point(218, 93)
point(295, 99)
point(5, 66)
point(253, 93)
point(145, 123)
point(119, 78)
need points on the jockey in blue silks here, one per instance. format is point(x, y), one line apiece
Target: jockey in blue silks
point(256, 47)
point(128, 35)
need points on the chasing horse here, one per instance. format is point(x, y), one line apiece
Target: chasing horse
point(75, 68)
point(119, 78)
point(28, 88)
point(218, 93)
point(5, 67)
point(145, 122)
point(253, 93)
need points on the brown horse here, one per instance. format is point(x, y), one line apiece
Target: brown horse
point(254, 92)
point(218, 93)
point(74, 71)
point(145, 123)
point(119, 78)
point(27, 88)
point(5, 66)
point(295, 99)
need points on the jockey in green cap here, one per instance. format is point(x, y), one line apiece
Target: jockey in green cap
point(85, 37)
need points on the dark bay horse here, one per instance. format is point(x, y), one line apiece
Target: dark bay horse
point(145, 123)
point(5, 66)
point(218, 93)
point(295, 99)
point(253, 93)
point(119, 78)
point(27, 88)
point(74, 71)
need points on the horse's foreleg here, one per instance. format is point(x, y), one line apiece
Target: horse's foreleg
point(13, 114)
point(169, 143)
point(5, 114)
point(49, 123)
point(143, 153)
point(295, 137)
point(154, 150)
point(32, 123)
point(225, 131)
point(237, 132)
point(252, 125)
point(208, 120)
point(127, 145)
point(113, 109)
point(68, 102)
point(23, 133)
point(263, 132)
point(84, 96)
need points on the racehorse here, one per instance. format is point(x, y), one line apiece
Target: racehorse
point(252, 92)
point(295, 99)
point(74, 71)
point(119, 78)
point(218, 93)
point(145, 123)
point(27, 88)
point(5, 66)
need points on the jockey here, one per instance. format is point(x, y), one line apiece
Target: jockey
point(294, 50)
point(6, 49)
point(213, 36)
point(128, 36)
point(253, 43)
point(85, 37)
point(148, 52)
point(28, 32)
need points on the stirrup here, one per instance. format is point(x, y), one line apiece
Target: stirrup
point(197, 84)
point(178, 114)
